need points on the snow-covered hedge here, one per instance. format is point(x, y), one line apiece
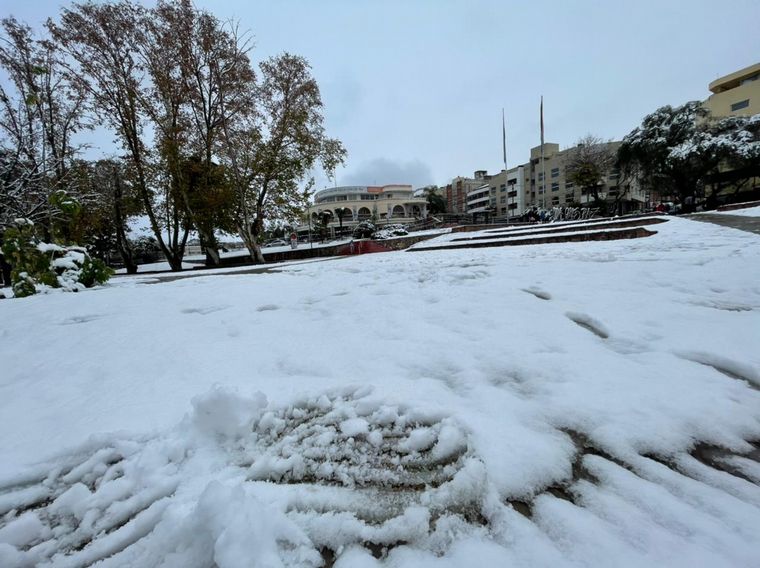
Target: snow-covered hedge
point(364, 230)
point(390, 231)
point(39, 266)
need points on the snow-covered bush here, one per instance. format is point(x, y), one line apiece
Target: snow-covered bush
point(390, 231)
point(364, 230)
point(39, 266)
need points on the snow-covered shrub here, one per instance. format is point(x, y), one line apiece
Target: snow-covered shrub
point(391, 231)
point(364, 230)
point(39, 266)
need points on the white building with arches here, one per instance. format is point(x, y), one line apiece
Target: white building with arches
point(387, 204)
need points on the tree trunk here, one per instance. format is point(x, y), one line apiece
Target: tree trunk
point(257, 228)
point(122, 243)
point(249, 238)
point(210, 247)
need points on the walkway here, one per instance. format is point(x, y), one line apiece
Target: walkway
point(749, 224)
point(159, 277)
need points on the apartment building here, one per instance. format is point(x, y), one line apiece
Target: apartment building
point(511, 193)
point(736, 94)
point(479, 200)
point(507, 192)
point(457, 190)
point(558, 190)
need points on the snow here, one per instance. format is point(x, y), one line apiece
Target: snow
point(156, 267)
point(747, 212)
point(526, 233)
point(547, 405)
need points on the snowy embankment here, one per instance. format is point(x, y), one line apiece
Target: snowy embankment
point(555, 405)
point(746, 212)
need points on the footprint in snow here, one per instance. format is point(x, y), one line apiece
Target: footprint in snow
point(540, 294)
point(204, 310)
point(588, 323)
point(81, 319)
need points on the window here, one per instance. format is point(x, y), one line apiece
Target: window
point(555, 200)
point(555, 172)
point(540, 176)
point(503, 187)
point(555, 186)
point(568, 185)
point(740, 105)
point(503, 199)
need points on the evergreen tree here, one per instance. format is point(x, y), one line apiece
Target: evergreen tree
point(666, 153)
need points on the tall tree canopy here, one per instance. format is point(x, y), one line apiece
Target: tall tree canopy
point(177, 87)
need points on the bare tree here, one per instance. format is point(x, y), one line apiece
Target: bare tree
point(588, 163)
point(40, 110)
point(104, 41)
point(214, 62)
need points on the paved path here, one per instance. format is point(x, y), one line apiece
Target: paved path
point(158, 277)
point(749, 224)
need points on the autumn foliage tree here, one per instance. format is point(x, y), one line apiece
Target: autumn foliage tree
point(271, 152)
point(209, 142)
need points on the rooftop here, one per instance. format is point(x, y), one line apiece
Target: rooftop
point(733, 80)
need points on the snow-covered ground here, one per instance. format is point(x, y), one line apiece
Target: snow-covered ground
point(525, 232)
point(747, 212)
point(549, 405)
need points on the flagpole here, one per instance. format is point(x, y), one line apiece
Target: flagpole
point(504, 151)
point(543, 164)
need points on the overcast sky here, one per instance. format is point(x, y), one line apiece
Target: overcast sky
point(414, 89)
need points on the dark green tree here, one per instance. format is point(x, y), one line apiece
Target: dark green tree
point(436, 202)
point(211, 199)
point(341, 212)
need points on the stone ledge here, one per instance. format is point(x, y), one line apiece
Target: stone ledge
point(632, 233)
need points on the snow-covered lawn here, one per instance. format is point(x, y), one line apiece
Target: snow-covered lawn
point(549, 405)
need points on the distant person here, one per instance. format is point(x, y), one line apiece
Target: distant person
point(660, 208)
point(293, 241)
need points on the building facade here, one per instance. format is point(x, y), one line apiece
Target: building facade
point(457, 190)
point(348, 206)
point(736, 94)
point(509, 194)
